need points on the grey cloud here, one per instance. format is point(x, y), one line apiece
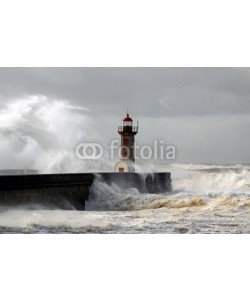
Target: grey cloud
point(203, 111)
point(146, 91)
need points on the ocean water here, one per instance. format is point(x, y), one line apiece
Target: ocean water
point(204, 199)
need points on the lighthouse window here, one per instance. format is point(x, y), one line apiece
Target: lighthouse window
point(127, 123)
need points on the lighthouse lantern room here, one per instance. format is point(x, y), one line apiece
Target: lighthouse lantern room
point(127, 158)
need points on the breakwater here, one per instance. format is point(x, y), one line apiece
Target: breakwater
point(70, 191)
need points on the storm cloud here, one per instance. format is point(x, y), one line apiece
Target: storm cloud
point(204, 112)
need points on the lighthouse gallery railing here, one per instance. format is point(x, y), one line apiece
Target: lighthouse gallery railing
point(133, 129)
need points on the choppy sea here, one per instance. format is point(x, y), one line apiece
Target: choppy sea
point(204, 199)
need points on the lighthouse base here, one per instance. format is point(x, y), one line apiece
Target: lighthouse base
point(125, 166)
point(144, 182)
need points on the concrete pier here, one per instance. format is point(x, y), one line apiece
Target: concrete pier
point(69, 191)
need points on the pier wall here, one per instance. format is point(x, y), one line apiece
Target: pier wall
point(69, 191)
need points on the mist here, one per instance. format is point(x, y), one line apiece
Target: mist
point(42, 133)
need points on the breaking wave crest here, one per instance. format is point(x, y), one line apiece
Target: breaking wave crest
point(111, 197)
point(213, 180)
point(171, 203)
point(234, 202)
point(196, 186)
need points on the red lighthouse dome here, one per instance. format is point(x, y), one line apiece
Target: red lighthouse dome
point(127, 119)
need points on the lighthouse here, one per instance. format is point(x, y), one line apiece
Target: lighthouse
point(127, 132)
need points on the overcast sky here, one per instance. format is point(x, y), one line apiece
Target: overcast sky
point(204, 112)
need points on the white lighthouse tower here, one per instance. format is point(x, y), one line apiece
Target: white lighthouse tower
point(127, 132)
